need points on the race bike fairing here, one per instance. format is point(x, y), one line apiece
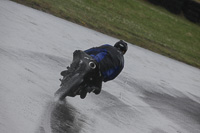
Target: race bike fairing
point(82, 73)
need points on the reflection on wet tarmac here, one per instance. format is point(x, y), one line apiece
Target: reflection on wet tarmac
point(60, 118)
point(63, 119)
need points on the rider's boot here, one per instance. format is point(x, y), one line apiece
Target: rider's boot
point(98, 86)
point(64, 73)
point(83, 93)
point(97, 90)
point(95, 86)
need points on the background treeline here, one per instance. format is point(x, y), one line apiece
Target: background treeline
point(190, 8)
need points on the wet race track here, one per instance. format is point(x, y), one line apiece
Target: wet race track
point(153, 94)
point(60, 117)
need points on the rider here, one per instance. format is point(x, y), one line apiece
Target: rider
point(110, 60)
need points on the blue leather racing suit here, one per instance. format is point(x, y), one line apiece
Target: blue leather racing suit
point(110, 60)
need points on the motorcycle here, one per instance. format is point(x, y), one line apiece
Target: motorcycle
point(79, 76)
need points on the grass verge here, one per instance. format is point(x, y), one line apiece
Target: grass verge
point(135, 21)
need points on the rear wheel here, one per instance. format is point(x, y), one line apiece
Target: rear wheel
point(69, 87)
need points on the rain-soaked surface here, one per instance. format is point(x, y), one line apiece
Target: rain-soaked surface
point(60, 118)
point(153, 94)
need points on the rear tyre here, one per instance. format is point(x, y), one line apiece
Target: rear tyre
point(68, 88)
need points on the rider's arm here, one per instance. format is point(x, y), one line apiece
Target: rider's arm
point(99, 56)
point(89, 51)
point(97, 53)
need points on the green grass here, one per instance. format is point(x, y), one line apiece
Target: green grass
point(135, 21)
